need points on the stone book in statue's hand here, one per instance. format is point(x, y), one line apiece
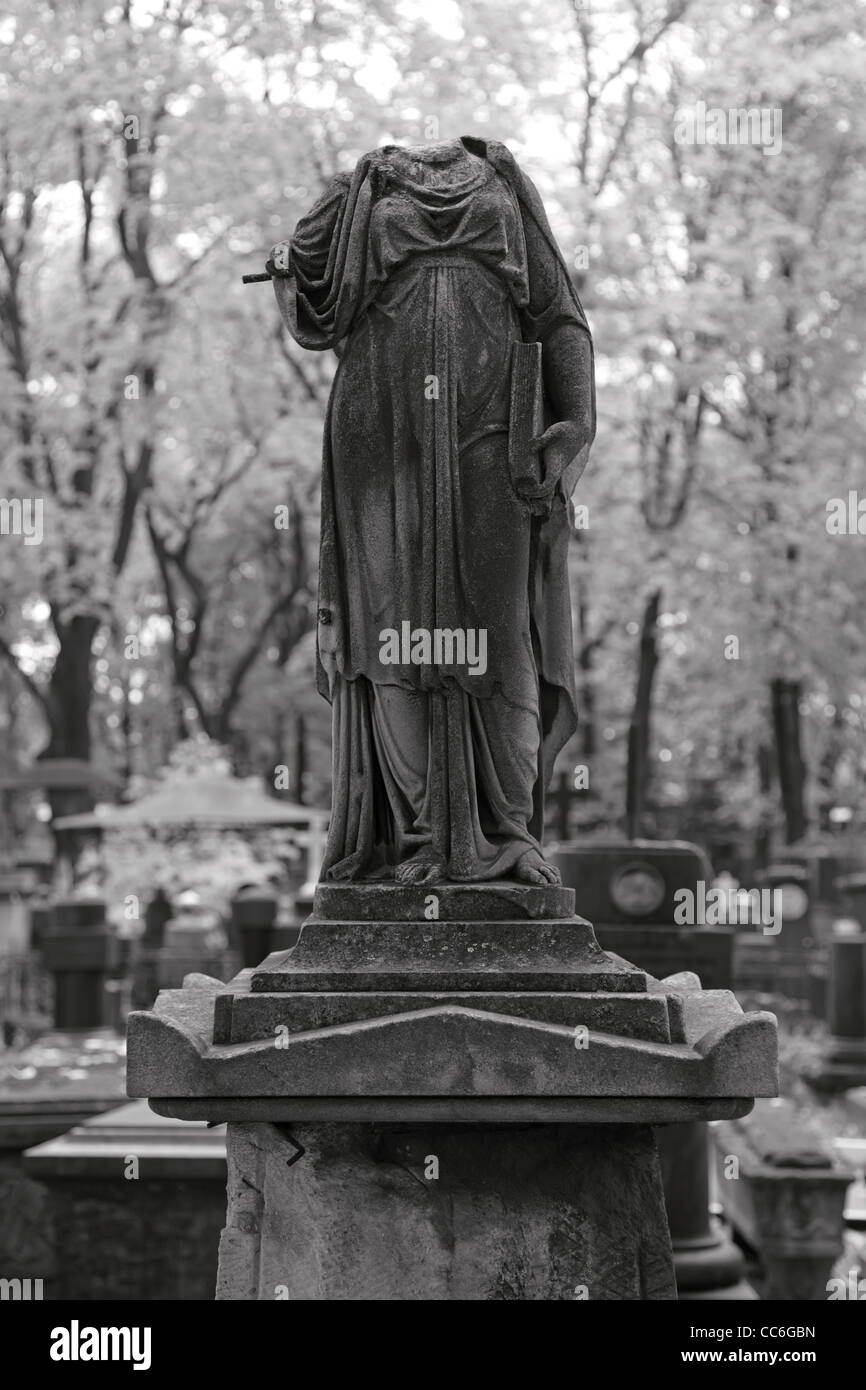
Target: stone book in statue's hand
point(539, 459)
point(525, 426)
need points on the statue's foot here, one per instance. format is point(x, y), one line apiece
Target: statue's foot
point(423, 867)
point(532, 867)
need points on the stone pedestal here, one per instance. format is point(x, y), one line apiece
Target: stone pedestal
point(707, 1263)
point(528, 1212)
point(478, 1026)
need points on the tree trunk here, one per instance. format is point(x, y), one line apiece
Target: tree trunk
point(126, 733)
point(764, 834)
point(637, 776)
point(786, 697)
point(586, 695)
point(69, 696)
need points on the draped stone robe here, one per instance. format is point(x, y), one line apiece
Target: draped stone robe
point(422, 272)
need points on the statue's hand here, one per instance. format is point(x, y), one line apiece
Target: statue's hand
point(279, 262)
point(561, 447)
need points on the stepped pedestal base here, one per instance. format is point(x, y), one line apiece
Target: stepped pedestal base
point(475, 1032)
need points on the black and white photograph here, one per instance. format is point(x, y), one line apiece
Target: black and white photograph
point(432, 669)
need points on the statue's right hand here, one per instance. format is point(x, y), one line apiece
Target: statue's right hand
point(279, 262)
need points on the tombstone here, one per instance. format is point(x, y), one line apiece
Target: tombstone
point(254, 916)
point(818, 980)
point(129, 1180)
point(793, 961)
point(784, 1192)
point(793, 883)
point(188, 950)
point(80, 950)
point(851, 889)
point(850, 1149)
point(39, 918)
point(842, 1064)
point(446, 1090)
point(829, 867)
point(823, 868)
point(628, 889)
point(55, 1081)
point(849, 894)
point(40, 865)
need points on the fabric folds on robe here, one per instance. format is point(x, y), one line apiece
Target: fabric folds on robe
point(425, 288)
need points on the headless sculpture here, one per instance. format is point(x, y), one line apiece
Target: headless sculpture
point(444, 624)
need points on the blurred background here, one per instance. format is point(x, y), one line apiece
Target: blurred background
point(164, 755)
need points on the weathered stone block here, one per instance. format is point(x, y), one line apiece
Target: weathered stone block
point(541, 1212)
point(785, 1194)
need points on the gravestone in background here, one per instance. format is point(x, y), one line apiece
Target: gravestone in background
point(253, 923)
point(80, 950)
point(130, 1207)
point(628, 890)
point(842, 1064)
point(785, 1193)
point(796, 962)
